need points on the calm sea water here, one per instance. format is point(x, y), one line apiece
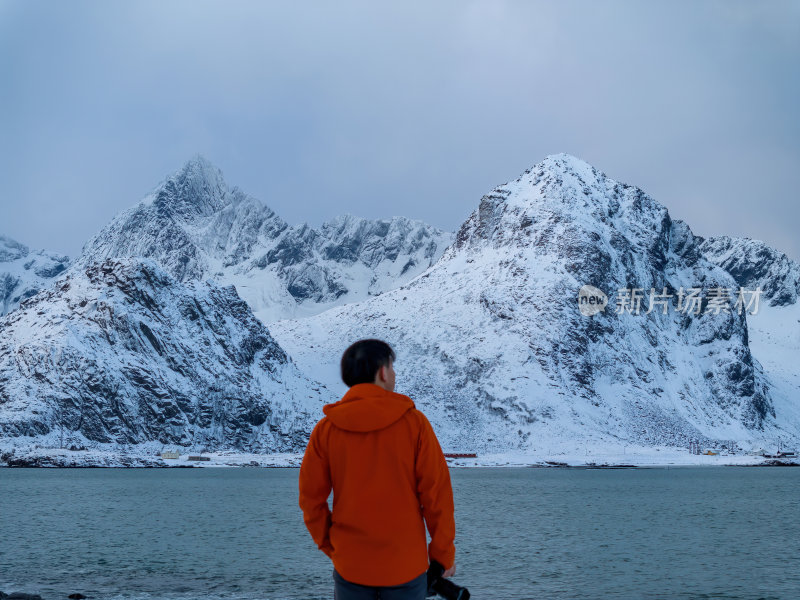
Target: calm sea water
point(522, 533)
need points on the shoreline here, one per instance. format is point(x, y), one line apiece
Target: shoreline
point(642, 458)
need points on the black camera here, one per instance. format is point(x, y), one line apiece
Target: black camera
point(444, 587)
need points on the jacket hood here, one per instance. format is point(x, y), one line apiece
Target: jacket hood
point(367, 407)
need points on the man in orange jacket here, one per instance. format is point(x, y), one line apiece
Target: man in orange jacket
point(381, 457)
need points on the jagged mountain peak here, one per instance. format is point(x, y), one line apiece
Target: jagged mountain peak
point(199, 162)
point(569, 183)
point(561, 195)
point(345, 226)
point(566, 170)
point(348, 219)
point(196, 227)
point(348, 224)
point(371, 241)
point(567, 163)
point(755, 264)
point(192, 224)
point(198, 188)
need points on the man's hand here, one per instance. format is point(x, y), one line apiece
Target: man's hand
point(450, 572)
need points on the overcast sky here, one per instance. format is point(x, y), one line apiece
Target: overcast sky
point(406, 108)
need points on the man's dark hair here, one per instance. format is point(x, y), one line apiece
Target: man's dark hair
point(361, 361)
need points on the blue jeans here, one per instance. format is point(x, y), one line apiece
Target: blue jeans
point(416, 589)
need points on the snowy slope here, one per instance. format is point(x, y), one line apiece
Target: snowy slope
point(774, 331)
point(775, 342)
point(120, 353)
point(196, 227)
point(24, 272)
point(493, 347)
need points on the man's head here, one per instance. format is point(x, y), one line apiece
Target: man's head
point(369, 361)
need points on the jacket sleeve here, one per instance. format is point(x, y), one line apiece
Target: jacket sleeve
point(436, 495)
point(315, 487)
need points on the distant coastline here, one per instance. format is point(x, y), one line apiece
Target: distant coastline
point(630, 458)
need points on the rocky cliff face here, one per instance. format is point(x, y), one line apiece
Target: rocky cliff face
point(754, 264)
point(493, 346)
point(24, 272)
point(196, 227)
point(774, 331)
point(119, 352)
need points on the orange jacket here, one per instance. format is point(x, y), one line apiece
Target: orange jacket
point(381, 457)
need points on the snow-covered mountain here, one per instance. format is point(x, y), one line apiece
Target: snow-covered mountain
point(119, 352)
point(774, 331)
point(493, 346)
point(24, 272)
point(196, 227)
point(146, 339)
point(754, 264)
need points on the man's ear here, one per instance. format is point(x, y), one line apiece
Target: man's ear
point(382, 373)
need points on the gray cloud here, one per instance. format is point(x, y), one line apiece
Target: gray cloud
point(412, 108)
